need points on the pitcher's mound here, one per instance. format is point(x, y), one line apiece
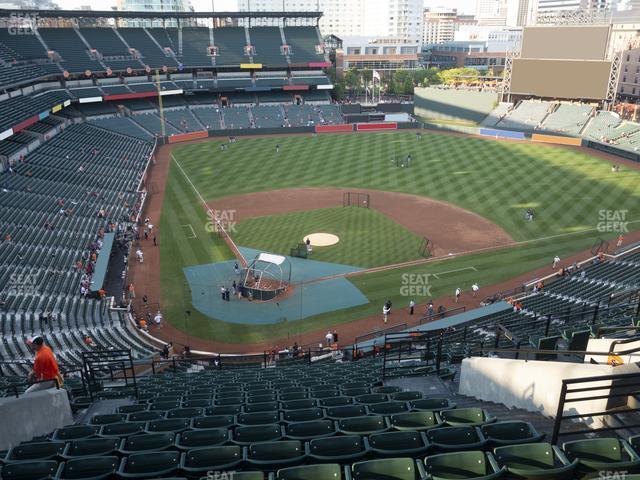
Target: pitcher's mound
point(321, 239)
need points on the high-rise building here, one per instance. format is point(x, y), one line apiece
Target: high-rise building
point(501, 13)
point(153, 6)
point(380, 18)
point(552, 6)
point(441, 25)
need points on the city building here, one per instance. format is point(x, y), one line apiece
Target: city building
point(382, 54)
point(441, 25)
point(383, 18)
point(501, 13)
point(463, 54)
point(153, 6)
point(629, 82)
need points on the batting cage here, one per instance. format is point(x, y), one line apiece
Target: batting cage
point(356, 199)
point(266, 277)
point(426, 248)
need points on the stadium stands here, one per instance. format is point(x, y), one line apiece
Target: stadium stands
point(230, 42)
point(50, 206)
point(122, 125)
point(601, 126)
point(150, 53)
point(302, 115)
point(74, 55)
point(267, 42)
point(151, 123)
point(568, 118)
point(527, 115)
point(195, 42)
point(183, 119)
point(209, 116)
point(236, 117)
point(497, 114)
point(265, 116)
point(112, 50)
point(303, 42)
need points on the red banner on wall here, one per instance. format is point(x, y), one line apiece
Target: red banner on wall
point(377, 126)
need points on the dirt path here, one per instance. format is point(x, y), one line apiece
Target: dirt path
point(450, 228)
point(146, 276)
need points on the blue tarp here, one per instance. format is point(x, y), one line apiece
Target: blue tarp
point(100, 272)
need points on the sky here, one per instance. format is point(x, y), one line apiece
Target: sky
point(464, 6)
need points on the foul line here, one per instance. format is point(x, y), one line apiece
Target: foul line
point(212, 216)
point(454, 271)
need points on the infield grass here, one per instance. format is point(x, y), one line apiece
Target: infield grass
point(568, 189)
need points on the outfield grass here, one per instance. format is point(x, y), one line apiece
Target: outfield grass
point(367, 237)
point(497, 180)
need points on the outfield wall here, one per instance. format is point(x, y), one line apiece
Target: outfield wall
point(538, 137)
point(457, 105)
point(492, 132)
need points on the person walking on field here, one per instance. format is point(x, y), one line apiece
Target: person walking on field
point(385, 312)
point(556, 262)
point(474, 288)
point(458, 292)
point(412, 305)
point(620, 241)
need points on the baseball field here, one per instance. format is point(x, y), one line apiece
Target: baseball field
point(467, 195)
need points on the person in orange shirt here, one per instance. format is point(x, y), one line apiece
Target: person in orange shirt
point(45, 367)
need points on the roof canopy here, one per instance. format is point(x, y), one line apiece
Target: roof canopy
point(271, 258)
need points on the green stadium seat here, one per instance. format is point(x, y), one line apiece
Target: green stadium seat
point(268, 455)
point(299, 404)
point(136, 407)
point(75, 432)
point(88, 468)
point(534, 460)
point(225, 401)
point(199, 461)
point(259, 392)
point(197, 402)
point(164, 406)
point(254, 475)
point(202, 438)
point(456, 439)
point(296, 395)
point(319, 395)
point(197, 396)
point(149, 465)
point(388, 408)
point(355, 392)
point(355, 385)
point(107, 418)
point(510, 433)
point(122, 429)
point(346, 411)
point(466, 416)
point(462, 465)
point(29, 470)
point(398, 444)
point(166, 399)
point(363, 425)
point(415, 421)
point(263, 407)
point(150, 442)
point(341, 449)
point(262, 398)
point(257, 433)
point(303, 415)
point(36, 451)
point(91, 447)
point(432, 404)
point(259, 418)
point(335, 401)
point(188, 412)
point(215, 421)
point(544, 343)
point(310, 472)
point(387, 389)
point(406, 396)
point(602, 454)
point(386, 469)
point(371, 398)
point(310, 430)
point(144, 416)
point(224, 410)
point(168, 425)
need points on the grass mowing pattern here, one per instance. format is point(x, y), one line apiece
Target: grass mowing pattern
point(494, 179)
point(367, 237)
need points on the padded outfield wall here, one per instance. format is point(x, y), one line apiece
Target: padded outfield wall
point(433, 104)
